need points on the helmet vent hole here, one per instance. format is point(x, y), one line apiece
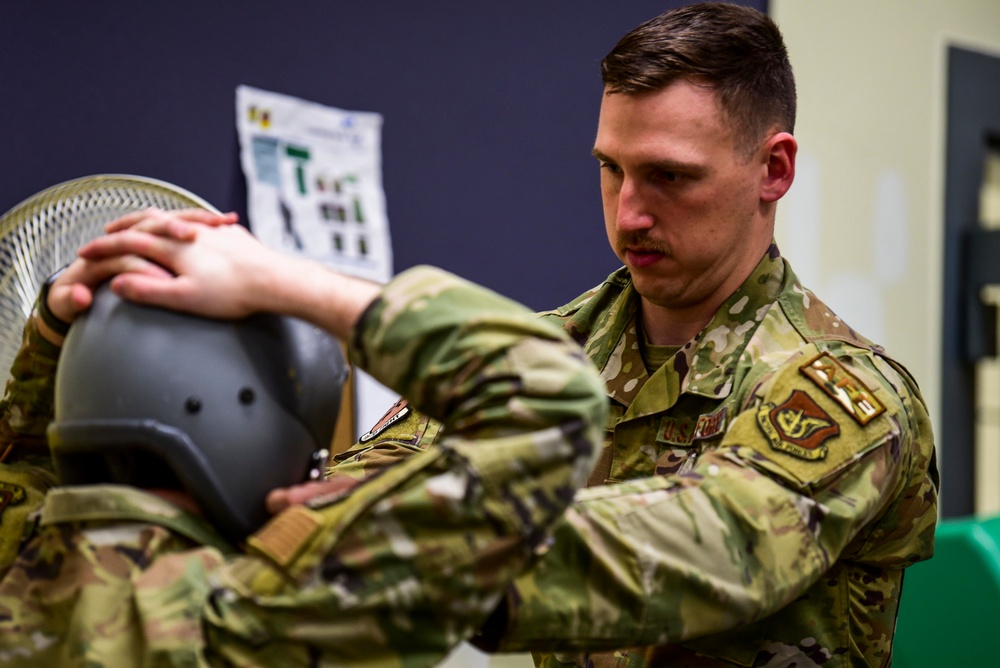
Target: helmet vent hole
point(247, 396)
point(192, 405)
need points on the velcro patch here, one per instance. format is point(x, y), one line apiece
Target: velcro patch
point(711, 425)
point(396, 412)
point(844, 387)
point(685, 431)
point(284, 536)
point(676, 431)
point(797, 426)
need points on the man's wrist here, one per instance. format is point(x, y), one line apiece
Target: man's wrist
point(51, 322)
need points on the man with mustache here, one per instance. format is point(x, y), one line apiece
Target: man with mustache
point(767, 472)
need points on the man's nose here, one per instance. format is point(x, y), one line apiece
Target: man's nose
point(633, 211)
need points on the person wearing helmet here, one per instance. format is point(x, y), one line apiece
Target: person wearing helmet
point(237, 408)
point(395, 570)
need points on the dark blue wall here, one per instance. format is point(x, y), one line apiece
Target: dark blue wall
point(490, 110)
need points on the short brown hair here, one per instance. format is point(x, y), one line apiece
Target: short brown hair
point(736, 50)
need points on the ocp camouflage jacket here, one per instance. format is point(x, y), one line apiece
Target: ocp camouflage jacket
point(757, 501)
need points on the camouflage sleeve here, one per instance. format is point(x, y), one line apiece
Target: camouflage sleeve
point(760, 519)
point(401, 432)
point(25, 411)
point(412, 560)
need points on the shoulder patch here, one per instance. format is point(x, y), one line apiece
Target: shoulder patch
point(396, 412)
point(797, 426)
point(844, 387)
point(674, 431)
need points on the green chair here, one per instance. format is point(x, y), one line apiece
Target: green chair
point(949, 614)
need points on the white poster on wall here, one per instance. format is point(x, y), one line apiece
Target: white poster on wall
point(314, 188)
point(314, 181)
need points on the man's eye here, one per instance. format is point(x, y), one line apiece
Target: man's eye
point(611, 168)
point(669, 177)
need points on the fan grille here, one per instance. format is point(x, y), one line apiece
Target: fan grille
point(42, 234)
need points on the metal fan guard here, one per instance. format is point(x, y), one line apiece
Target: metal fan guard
point(42, 234)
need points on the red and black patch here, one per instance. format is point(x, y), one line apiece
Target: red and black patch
point(396, 412)
point(797, 426)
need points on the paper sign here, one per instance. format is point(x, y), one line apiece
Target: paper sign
point(314, 181)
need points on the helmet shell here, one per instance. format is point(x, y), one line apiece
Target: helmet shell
point(229, 409)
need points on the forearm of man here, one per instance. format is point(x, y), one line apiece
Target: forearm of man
point(668, 559)
point(308, 290)
point(413, 559)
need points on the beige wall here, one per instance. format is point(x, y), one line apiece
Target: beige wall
point(863, 224)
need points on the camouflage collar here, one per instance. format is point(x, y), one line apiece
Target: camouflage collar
point(123, 504)
point(707, 362)
point(604, 322)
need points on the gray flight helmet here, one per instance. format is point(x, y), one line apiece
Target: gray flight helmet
point(226, 410)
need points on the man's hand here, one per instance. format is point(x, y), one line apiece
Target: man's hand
point(72, 292)
point(215, 271)
point(222, 271)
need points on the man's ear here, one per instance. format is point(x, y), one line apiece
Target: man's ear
point(779, 154)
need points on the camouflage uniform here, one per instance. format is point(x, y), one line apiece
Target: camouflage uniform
point(394, 573)
point(757, 500)
point(26, 470)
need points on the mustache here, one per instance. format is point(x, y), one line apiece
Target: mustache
point(640, 241)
